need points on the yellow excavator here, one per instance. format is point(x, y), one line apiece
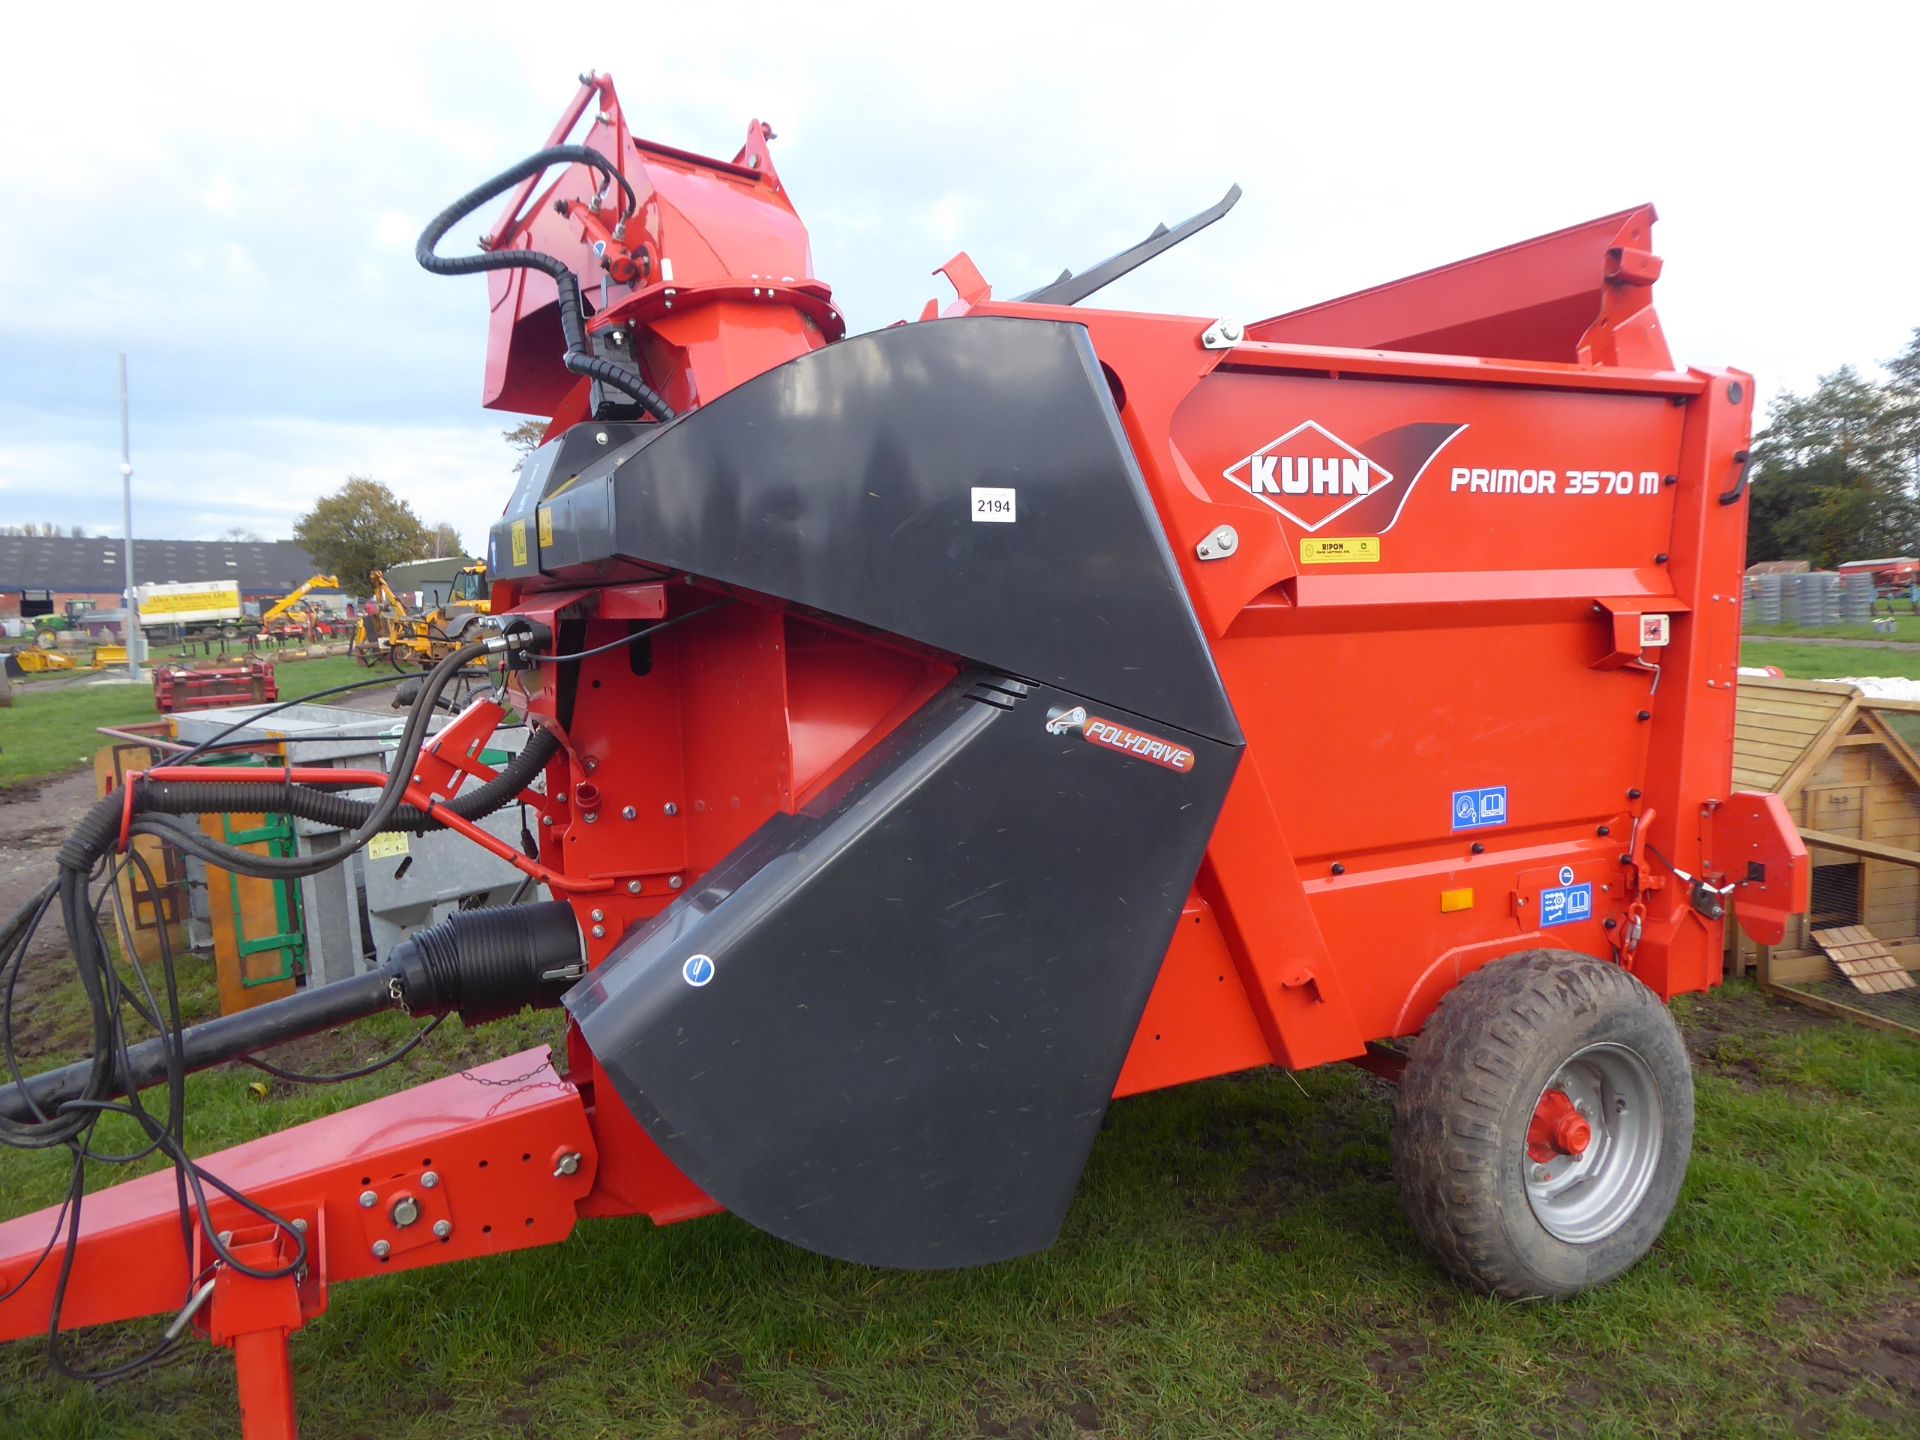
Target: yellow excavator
point(404, 638)
point(470, 596)
point(289, 615)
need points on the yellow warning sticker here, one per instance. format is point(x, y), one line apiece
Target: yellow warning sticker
point(546, 526)
point(1360, 550)
point(387, 844)
point(519, 542)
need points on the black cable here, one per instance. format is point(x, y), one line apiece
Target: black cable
point(645, 634)
point(382, 809)
point(301, 1078)
point(157, 801)
point(55, 1357)
point(215, 743)
point(84, 863)
point(164, 1136)
point(96, 834)
point(53, 1239)
point(577, 357)
point(209, 746)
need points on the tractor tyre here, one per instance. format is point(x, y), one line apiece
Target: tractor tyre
point(1543, 1125)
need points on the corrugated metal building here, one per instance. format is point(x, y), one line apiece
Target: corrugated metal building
point(90, 569)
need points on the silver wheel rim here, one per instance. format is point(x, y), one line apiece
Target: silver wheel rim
point(1585, 1198)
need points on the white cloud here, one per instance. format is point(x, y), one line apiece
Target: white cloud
point(396, 231)
point(234, 197)
point(262, 473)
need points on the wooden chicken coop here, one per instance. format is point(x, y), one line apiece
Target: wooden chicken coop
point(1850, 779)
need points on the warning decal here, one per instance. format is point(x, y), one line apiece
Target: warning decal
point(1566, 905)
point(1477, 809)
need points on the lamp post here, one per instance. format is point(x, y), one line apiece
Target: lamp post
point(126, 523)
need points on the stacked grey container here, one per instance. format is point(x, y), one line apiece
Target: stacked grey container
point(1814, 599)
point(1857, 593)
point(1763, 600)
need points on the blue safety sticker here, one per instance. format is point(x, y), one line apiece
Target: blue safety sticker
point(1566, 905)
point(1477, 809)
point(697, 970)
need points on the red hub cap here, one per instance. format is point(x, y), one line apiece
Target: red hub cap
point(1557, 1129)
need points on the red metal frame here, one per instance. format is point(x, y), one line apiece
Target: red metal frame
point(176, 688)
point(1334, 907)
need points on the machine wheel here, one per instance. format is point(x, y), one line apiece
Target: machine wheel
point(1543, 1125)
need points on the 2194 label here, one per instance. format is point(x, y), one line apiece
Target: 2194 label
point(993, 505)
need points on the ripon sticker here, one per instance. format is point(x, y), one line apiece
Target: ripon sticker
point(993, 505)
point(1354, 550)
point(697, 970)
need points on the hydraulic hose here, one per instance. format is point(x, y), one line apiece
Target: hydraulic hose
point(483, 964)
point(97, 831)
point(578, 357)
point(101, 824)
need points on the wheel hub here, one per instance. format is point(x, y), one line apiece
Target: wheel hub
point(1558, 1128)
point(1593, 1143)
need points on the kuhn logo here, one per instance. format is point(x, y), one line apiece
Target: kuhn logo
point(1313, 477)
point(1111, 735)
point(1310, 475)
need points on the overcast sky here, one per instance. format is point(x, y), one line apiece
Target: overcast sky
point(232, 196)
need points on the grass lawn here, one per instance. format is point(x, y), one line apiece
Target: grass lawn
point(1905, 627)
point(50, 729)
point(1235, 1265)
point(1828, 662)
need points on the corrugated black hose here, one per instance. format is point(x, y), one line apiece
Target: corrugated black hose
point(578, 357)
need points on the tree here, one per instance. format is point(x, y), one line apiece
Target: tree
point(362, 527)
point(443, 539)
point(525, 438)
point(1903, 392)
point(241, 535)
point(1833, 477)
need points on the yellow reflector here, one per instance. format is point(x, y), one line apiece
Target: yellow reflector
point(1451, 900)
